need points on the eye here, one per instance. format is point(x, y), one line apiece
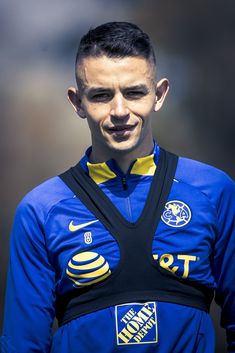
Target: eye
point(135, 94)
point(101, 97)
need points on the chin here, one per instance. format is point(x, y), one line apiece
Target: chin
point(123, 147)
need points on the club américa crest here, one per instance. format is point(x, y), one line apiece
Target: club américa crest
point(176, 214)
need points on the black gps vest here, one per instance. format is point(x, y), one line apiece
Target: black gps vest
point(138, 277)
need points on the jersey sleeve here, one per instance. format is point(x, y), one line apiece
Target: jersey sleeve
point(30, 293)
point(224, 259)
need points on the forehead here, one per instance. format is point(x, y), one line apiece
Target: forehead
point(111, 72)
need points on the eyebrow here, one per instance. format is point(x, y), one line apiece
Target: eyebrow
point(95, 90)
point(140, 87)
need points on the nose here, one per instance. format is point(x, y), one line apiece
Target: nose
point(119, 108)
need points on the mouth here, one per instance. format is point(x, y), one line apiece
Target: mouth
point(121, 128)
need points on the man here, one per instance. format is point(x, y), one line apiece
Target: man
point(127, 247)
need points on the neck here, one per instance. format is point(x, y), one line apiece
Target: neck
point(124, 163)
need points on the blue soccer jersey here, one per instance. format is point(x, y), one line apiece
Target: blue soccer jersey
point(59, 247)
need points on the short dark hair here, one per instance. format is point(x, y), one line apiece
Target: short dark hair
point(116, 40)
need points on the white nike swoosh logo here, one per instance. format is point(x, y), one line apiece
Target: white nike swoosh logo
point(73, 227)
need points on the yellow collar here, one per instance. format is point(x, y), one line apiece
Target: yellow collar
point(101, 172)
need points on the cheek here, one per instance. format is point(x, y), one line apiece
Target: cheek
point(97, 112)
point(92, 111)
point(95, 118)
point(143, 108)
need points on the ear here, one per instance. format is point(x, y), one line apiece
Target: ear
point(74, 99)
point(162, 88)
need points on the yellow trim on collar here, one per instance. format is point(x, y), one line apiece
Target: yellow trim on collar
point(144, 166)
point(100, 172)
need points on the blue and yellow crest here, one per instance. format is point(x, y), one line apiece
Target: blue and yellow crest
point(176, 214)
